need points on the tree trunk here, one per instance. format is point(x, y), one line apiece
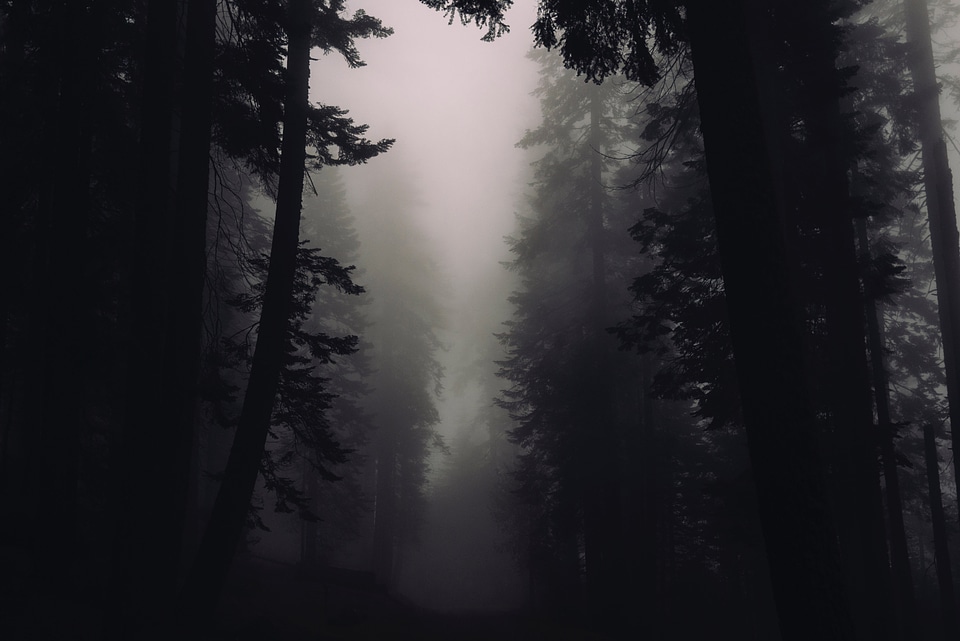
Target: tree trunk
point(170, 265)
point(230, 509)
point(140, 571)
point(602, 516)
point(826, 203)
point(309, 531)
point(385, 520)
point(948, 603)
point(63, 300)
point(941, 209)
point(187, 267)
point(646, 510)
point(765, 327)
point(899, 554)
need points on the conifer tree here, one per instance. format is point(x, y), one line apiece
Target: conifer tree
point(306, 26)
point(405, 314)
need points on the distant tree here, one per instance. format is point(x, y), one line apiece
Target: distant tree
point(340, 506)
point(405, 314)
point(566, 378)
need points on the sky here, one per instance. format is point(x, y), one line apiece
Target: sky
point(456, 106)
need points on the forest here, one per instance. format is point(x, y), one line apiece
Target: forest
point(702, 385)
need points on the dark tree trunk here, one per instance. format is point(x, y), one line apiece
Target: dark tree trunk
point(899, 554)
point(941, 208)
point(385, 523)
point(309, 532)
point(141, 572)
point(764, 325)
point(602, 516)
point(230, 509)
point(187, 268)
point(948, 603)
point(63, 301)
point(170, 265)
point(564, 580)
point(826, 201)
point(646, 511)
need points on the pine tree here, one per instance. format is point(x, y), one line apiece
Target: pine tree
point(405, 315)
point(306, 26)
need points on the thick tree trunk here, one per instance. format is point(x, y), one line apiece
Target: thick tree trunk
point(765, 329)
point(826, 203)
point(227, 520)
point(187, 268)
point(602, 515)
point(63, 299)
point(941, 208)
point(899, 553)
point(948, 602)
point(646, 509)
point(170, 265)
point(140, 571)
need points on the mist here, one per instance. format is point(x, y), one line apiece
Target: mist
point(387, 319)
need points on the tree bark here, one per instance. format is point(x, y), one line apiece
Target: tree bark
point(385, 523)
point(948, 602)
point(602, 514)
point(63, 300)
point(188, 267)
point(765, 329)
point(826, 203)
point(226, 525)
point(140, 571)
point(941, 208)
point(167, 302)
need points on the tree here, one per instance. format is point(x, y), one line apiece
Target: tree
point(566, 379)
point(306, 26)
point(405, 315)
point(727, 51)
point(941, 207)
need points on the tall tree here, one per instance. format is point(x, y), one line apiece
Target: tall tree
point(940, 202)
point(405, 316)
point(166, 313)
point(306, 25)
point(728, 52)
point(566, 380)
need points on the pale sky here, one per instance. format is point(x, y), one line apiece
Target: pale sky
point(456, 106)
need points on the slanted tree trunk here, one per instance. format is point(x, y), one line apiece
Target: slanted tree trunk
point(230, 509)
point(941, 208)
point(765, 325)
point(948, 603)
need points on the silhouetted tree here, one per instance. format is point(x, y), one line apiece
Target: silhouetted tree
point(306, 26)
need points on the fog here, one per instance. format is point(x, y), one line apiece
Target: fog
point(456, 106)
point(456, 118)
point(636, 321)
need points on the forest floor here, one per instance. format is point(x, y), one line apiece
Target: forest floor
point(271, 604)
